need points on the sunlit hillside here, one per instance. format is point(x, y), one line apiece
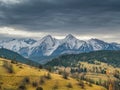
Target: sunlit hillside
point(17, 76)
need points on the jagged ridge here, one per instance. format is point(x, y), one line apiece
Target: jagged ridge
point(51, 47)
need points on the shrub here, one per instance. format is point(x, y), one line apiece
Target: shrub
point(81, 83)
point(34, 84)
point(1, 83)
point(48, 76)
point(9, 67)
point(26, 80)
point(49, 68)
point(22, 87)
point(39, 88)
point(55, 87)
point(42, 80)
point(60, 72)
point(20, 67)
point(65, 75)
point(40, 66)
point(90, 84)
point(69, 85)
point(14, 62)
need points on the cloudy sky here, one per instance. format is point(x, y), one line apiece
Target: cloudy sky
point(83, 18)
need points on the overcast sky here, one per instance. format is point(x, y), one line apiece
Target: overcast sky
point(83, 18)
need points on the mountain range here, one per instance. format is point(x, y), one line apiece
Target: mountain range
point(48, 47)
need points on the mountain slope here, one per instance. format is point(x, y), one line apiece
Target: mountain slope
point(110, 57)
point(20, 46)
point(69, 45)
point(5, 53)
point(44, 47)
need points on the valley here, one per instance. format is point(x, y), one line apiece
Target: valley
point(100, 67)
point(98, 73)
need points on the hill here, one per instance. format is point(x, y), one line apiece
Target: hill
point(108, 56)
point(8, 54)
point(24, 77)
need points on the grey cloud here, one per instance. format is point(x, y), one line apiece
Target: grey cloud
point(70, 16)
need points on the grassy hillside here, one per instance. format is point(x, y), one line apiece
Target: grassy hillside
point(109, 57)
point(24, 77)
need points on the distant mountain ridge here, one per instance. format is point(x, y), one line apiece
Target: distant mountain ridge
point(111, 57)
point(8, 54)
point(49, 47)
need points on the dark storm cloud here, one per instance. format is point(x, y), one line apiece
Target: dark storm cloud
point(57, 15)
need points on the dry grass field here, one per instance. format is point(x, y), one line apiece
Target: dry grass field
point(11, 81)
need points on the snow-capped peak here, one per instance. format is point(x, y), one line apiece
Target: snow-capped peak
point(71, 42)
point(14, 44)
point(47, 37)
point(46, 46)
point(70, 37)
